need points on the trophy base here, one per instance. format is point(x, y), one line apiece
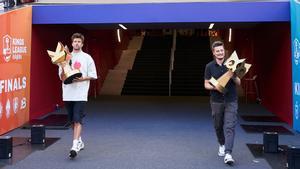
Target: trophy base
point(217, 85)
point(70, 79)
point(221, 89)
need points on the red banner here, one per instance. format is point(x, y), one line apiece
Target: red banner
point(15, 50)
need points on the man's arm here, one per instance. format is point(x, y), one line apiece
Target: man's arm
point(61, 72)
point(63, 76)
point(208, 85)
point(208, 75)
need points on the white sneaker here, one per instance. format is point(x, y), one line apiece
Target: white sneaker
point(74, 150)
point(221, 152)
point(80, 145)
point(75, 146)
point(228, 159)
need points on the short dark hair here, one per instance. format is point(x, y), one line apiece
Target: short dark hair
point(216, 44)
point(77, 35)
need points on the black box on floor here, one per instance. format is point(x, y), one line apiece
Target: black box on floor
point(37, 134)
point(5, 147)
point(270, 142)
point(293, 157)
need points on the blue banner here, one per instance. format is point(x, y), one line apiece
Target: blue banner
point(295, 26)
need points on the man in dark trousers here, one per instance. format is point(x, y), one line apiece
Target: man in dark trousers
point(224, 105)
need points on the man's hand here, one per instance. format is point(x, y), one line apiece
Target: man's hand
point(208, 85)
point(63, 77)
point(79, 79)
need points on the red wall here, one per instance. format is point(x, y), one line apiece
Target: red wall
point(244, 45)
point(45, 85)
point(273, 58)
point(268, 47)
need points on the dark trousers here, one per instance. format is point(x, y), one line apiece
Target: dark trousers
point(225, 119)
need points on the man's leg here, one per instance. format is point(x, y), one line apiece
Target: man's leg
point(77, 130)
point(230, 120)
point(78, 114)
point(69, 107)
point(218, 115)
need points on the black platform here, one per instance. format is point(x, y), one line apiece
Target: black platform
point(261, 118)
point(266, 128)
point(275, 160)
point(53, 121)
point(22, 148)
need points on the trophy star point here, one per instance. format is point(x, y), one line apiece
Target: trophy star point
point(59, 47)
point(51, 53)
point(58, 55)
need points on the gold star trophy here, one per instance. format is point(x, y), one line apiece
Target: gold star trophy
point(62, 57)
point(236, 67)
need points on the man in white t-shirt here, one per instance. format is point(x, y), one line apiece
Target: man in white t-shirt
point(75, 95)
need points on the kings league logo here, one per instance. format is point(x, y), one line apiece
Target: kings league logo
point(296, 46)
point(13, 48)
point(7, 49)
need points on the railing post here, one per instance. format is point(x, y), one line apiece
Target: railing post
point(172, 59)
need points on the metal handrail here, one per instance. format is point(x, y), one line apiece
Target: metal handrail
point(172, 59)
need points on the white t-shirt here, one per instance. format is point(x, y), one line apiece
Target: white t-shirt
point(78, 91)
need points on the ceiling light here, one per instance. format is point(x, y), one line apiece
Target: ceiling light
point(122, 26)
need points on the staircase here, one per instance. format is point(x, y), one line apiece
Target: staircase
point(150, 71)
point(190, 58)
point(115, 78)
